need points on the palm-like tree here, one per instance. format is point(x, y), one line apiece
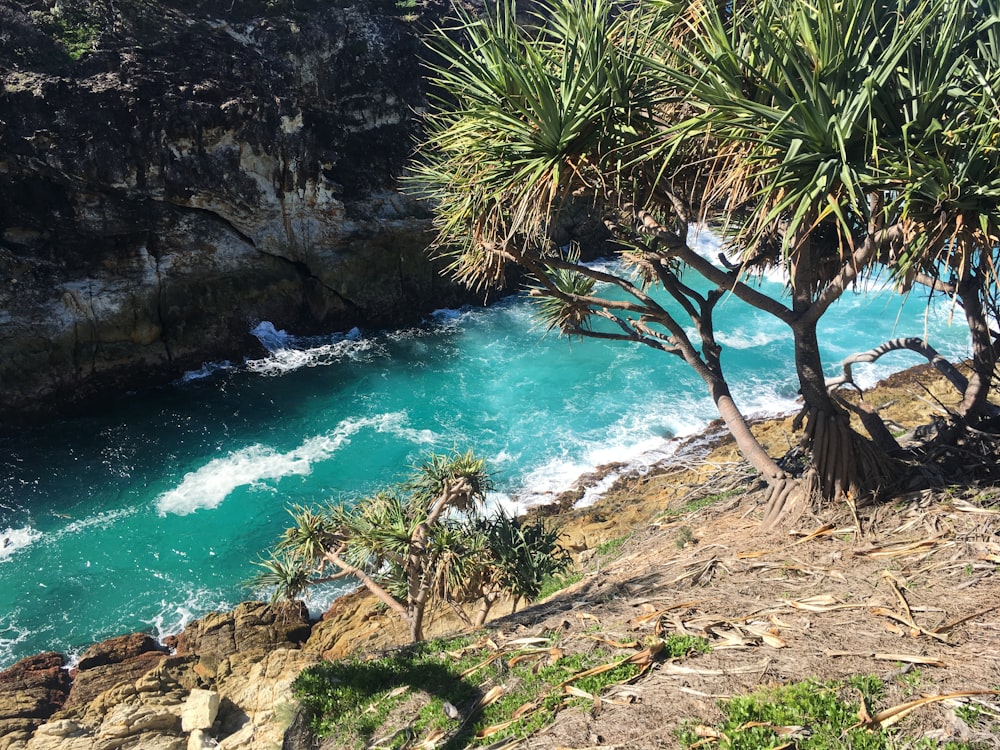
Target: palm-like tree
point(401, 545)
point(831, 133)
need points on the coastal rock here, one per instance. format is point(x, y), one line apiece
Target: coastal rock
point(91, 682)
point(173, 172)
point(31, 691)
point(258, 697)
point(117, 650)
point(252, 627)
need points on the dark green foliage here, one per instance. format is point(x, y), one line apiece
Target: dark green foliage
point(525, 553)
point(812, 715)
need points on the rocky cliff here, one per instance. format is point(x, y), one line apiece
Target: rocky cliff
point(174, 171)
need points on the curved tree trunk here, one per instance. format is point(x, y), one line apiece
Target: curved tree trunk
point(974, 401)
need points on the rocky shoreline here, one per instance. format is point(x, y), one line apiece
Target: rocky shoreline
point(225, 682)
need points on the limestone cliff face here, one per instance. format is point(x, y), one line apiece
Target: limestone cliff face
point(174, 171)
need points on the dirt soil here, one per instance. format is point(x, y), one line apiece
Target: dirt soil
point(906, 590)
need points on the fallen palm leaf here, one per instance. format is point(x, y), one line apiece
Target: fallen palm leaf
point(897, 713)
point(821, 603)
point(578, 693)
point(903, 548)
point(655, 614)
point(554, 655)
point(915, 630)
point(613, 644)
point(824, 530)
point(767, 636)
point(731, 638)
point(672, 668)
point(486, 662)
point(642, 659)
point(504, 744)
point(492, 696)
point(930, 661)
point(708, 732)
point(955, 623)
point(432, 740)
point(965, 506)
point(524, 709)
point(895, 585)
point(526, 641)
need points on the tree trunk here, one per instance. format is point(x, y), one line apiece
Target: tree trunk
point(974, 401)
point(846, 464)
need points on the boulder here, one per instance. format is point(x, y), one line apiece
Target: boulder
point(119, 649)
point(200, 710)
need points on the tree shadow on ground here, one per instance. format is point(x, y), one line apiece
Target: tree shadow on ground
point(337, 695)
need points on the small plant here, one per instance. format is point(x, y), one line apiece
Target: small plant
point(806, 716)
point(420, 541)
point(911, 678)
point(685, 536)
point(76, 31)
point(678, 646)
point(552, 584)
point(611, 547)
point(813, 715)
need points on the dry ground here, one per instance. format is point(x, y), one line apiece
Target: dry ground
point(911, 596)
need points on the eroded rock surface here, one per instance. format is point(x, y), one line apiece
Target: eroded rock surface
point(173, 172)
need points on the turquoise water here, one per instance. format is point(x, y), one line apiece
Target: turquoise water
point(148, 512)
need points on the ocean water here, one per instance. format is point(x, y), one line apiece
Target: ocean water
point(148, 511)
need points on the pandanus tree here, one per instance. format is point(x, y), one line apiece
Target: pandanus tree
point(833, 139)
point(419, 542)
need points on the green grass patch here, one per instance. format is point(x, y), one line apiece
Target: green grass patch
point(452, 690)
point(74, 29)
point(678, 646)
point(611, 546)
point(552, 584)
point(698, 503)
point(809, 715)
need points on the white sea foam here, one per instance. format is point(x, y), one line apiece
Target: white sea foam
point(98, 520)
point(207, 370)
point(742, 339)
point(288, 353)
point(12, 636)
point(208, 486)
point(174, 616)
point(12, 540)
point(270, 337)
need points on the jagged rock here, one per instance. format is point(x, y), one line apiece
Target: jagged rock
point(253, 627)
point(90, 683)
point(172, 172)
point(200, 710)
point(31, 691)
point(117, 650)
